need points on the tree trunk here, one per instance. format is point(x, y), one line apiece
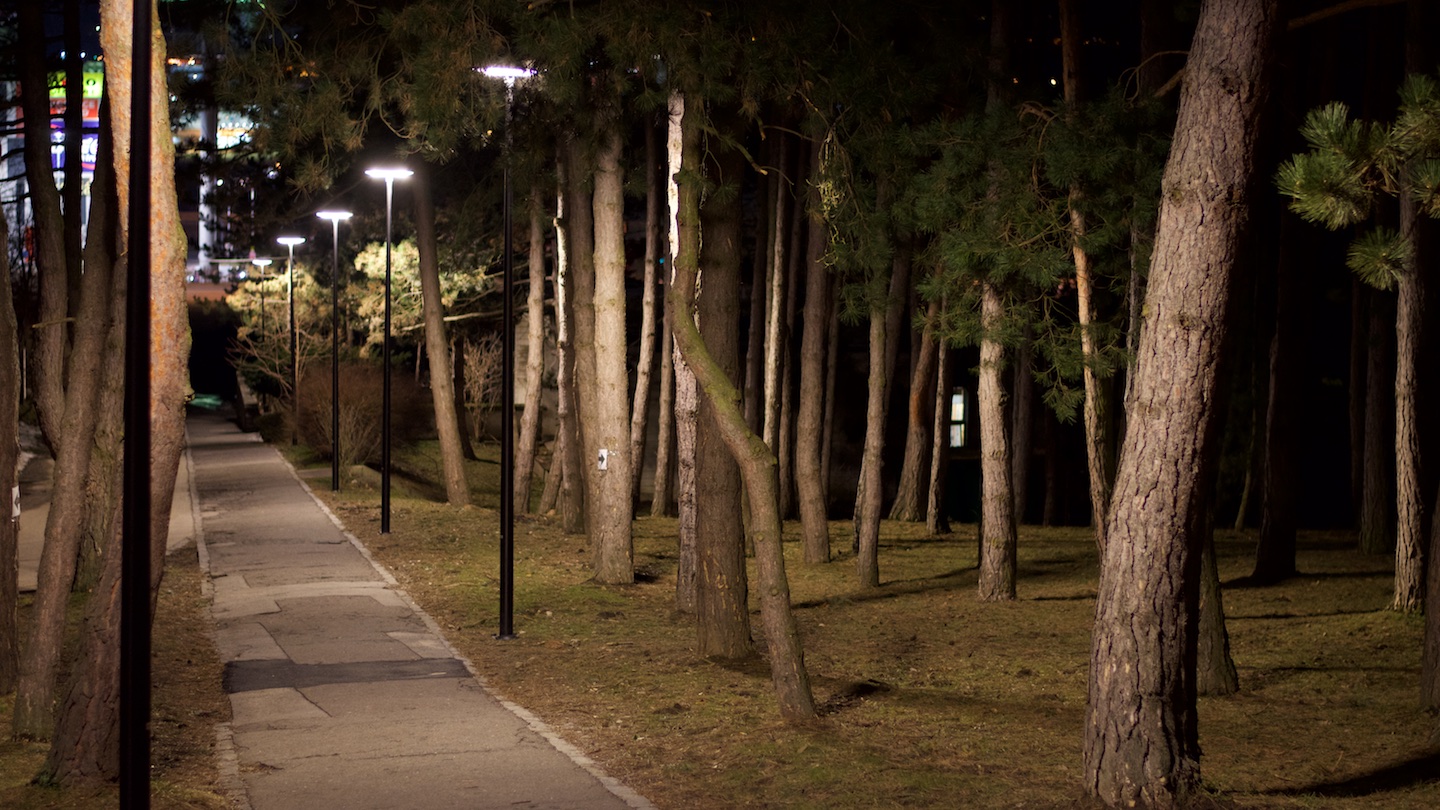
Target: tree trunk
point(665, 442)
point(529, 440)
point(74, 124)
point(89, 719)
point(766, 190)
point(607, 436)
point(814, 517)
point(1141, 743)
point(757, 462)
point(1275, 552)
point(567, 443)
point(919, 416)
point(775, 337)
point(721, 589)
point(1215, 672)
point(52, 332)
point(786, 435)
point(9, 460)
point(937, 514)
point(437, 347)
point(1022, 424)
point(827, 431)
point(686, 396)
point(884, 333)
point(645, 364)
point(1377, 518)
point(997, 501)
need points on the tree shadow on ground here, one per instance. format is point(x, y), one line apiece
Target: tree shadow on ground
point(1249, 581)
point(1424, 767)
point(948, 581)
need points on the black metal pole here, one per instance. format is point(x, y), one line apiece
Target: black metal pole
point(385, 395)
point(135, 519)
point(335, 356)
point(507, 401)
point(294, 349)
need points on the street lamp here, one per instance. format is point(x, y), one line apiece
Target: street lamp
point(389, 175)
point(335, 218)
point(290, 242)
point(508, 74)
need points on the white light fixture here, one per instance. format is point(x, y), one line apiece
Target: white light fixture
point(507, 72)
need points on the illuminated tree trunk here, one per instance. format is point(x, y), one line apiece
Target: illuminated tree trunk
point(645, 364)
point(997, 502)
point(915, 467)
point(809, 425)
point(529, 439)
point(1141, 743)
point(442, 378)
point(568, 447)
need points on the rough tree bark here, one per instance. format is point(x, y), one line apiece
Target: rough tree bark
point(757, 463)
point(1141, 742)
point(567, 444)
point(686, 407)
point(997, 502)
point(442, 377)
point(607, 436)
point(722, 592)
point(89, 717)
point(529, 440)
point(814, 517)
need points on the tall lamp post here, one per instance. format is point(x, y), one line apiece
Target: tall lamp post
point(508, 74)
point(335, 218)
point(389, 175)
point(290, 242)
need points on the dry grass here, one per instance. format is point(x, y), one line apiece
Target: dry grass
point(188, 702)
point(931, 698)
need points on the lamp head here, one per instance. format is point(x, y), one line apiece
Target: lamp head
point(334, 216)
point(262, 262)
point(507, 72)
point(291, 241)
point(388, 174)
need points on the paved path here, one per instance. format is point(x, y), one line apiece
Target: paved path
point(344, 694)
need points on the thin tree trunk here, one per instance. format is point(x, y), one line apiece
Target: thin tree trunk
point(52, 344)
point(1141, 743)
point(766, 190)
point(809, 424)
point(665, 441)
point(827, 443)
point(997, 503)
point(607, 438)
point(1377, 507)
point(937, 513)
point(775, 337)
point(1022, 424)
point(437, 347)
point(645, 364)
point(9, 460)
point(529, 440)
point(919, 416)
point(786, 436)
point(567, 445)
point(1275, 551)
point(757, 463)
point(869, 498)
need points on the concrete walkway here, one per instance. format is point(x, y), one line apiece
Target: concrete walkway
point(345, 695)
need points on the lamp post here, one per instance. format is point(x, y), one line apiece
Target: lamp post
point(335, 218)
point(389, 175)
point(290, 242)
point(508, 74)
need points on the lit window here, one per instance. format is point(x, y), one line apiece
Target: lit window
point(957, 418)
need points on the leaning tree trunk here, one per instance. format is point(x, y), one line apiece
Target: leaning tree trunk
point(809, 426)
point(867, 499)
point(1141, 743)
point(1215, 672)
point(916, 464)
point(607, 437)
point(437, 345)
point(722, 592)
point(89, 717)
point(9, 461)
point(529, 439)
point(997, 501)
point(775, 337)
point(937, 514)
point(757, 462)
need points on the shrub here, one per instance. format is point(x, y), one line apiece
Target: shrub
point(361, 391)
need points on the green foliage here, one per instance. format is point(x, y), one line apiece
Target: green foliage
point(461, 290)
point(1351, 163)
